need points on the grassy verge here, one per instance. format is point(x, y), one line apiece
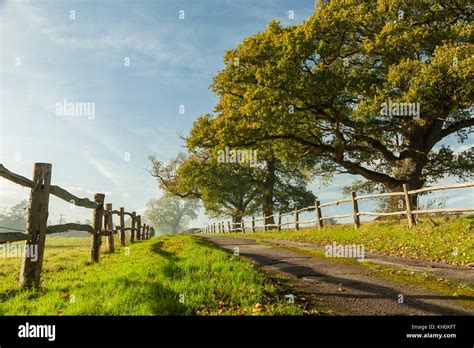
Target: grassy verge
point(450, 241)
point(175, 275)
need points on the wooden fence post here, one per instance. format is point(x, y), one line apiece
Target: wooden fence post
point(242, 225)
point(110, 228)
point(279, 220)
point(411, 220)
point(139, 227)
point(219, 226)
point(122, 226)
point(132, 230)
point(97, 224)
point(253, 224)
point(144, 232)
point(355, 210)
point(30, 274)
point(228, 227)
point(147, 232)
point(297, 219)
point(264, 222)
point(319, 215)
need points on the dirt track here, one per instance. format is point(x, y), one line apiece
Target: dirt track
point(349, 289)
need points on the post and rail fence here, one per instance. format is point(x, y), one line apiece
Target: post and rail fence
point(409, 212)
point(37, 228)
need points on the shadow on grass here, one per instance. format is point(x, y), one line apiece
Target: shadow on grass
point(160, 300)
point(158, 249)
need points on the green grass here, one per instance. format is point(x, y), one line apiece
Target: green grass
point(451, 241)
point(151, 280)
point(458, 291)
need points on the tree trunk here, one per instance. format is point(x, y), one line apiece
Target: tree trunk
point(267, 194)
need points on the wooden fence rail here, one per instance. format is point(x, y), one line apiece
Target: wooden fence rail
point(356, 214)
point(37, 229)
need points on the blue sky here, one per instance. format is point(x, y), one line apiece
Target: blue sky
point(47, 57)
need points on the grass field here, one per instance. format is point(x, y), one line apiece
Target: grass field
point(170, 275)
point(443, 240)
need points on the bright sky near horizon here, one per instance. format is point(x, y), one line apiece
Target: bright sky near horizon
point(77, 51)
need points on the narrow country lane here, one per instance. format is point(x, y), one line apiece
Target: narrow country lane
point(348, 289)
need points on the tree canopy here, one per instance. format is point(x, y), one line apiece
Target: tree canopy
point(321, 86)
point(171, 214)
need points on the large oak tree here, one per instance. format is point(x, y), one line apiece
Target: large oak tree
point(320, 85)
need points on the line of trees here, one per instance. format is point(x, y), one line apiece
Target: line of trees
point(309, 99)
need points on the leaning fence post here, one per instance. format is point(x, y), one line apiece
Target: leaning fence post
point(297, 219)
point(279, 220)
point(132, 230)
point(242, 226)
point(97, 224)
point(411, 220)
point(139, 227)
point(30, 275)
point(319, 215)
point(122, 226)
point(355, 209)
point(110, 229)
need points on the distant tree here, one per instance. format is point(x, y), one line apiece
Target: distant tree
point(171, 214)
point(15, 216)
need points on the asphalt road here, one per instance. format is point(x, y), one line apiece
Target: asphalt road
point(348, 289)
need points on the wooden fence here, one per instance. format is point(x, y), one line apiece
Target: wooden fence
point(221, 227)
point(37, 229)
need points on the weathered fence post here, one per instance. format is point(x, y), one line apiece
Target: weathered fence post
point(228, 227)
point(319, 215)
point(139, 227)
point(144, 232)
point(219, 226)
point(132, 230)
point(411, 220)
point(110, 229)
point(242, 226)
point(147, 232)
point(253, 224)
point(297, 219)
point(97, 224)
point(122, 226)
point(355, 209)
point(279, 220)
point(30, 275)
point(265, 223)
